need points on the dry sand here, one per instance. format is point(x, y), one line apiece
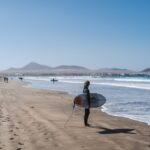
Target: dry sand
point(33, 119)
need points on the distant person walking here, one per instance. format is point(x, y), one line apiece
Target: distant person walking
point(87, 109)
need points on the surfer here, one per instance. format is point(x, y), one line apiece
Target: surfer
point(54, 80)
point(87, 109)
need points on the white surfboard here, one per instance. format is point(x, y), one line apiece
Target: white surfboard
point(97, 100)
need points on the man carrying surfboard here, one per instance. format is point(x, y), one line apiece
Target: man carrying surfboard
point(87, 108)
point(88, 100)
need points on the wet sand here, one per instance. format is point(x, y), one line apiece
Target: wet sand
point(34, 119)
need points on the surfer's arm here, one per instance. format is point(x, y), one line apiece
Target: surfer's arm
point(88, 98)
point(87, 92)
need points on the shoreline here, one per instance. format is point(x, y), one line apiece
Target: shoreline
point(103, 109)
point(124, 116)
point(34, 119)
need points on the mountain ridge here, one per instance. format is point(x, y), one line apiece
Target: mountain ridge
point(34, 68)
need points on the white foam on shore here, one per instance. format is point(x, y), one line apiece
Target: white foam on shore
point(106, 110)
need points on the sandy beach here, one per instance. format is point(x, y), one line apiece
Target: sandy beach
point(34, 119)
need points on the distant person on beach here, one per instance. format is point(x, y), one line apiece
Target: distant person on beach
point(87, 109)
point(21, 78)
point(6, 79)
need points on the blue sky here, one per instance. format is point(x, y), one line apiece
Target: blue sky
point(89, 33)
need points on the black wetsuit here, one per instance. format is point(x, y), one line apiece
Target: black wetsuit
point(87, 109)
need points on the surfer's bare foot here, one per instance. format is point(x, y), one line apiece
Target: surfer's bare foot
point(87, 125)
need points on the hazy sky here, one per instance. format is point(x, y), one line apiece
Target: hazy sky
point(89, 33)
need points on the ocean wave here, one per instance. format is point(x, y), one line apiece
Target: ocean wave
point(137, 103)
point(37, 78)
point(139, 86)
point(132, 80)
point(71, 81)
point(109, 82)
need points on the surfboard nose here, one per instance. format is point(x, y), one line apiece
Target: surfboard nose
point(77, 100)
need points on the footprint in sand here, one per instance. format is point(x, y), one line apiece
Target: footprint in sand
point(15, 134)
point(32, 107)
point(10, 130)
point(12, 138)
point(18, 149)
point(7, 119)
point(20, 143)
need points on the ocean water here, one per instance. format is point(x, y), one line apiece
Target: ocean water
point(127, 97)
